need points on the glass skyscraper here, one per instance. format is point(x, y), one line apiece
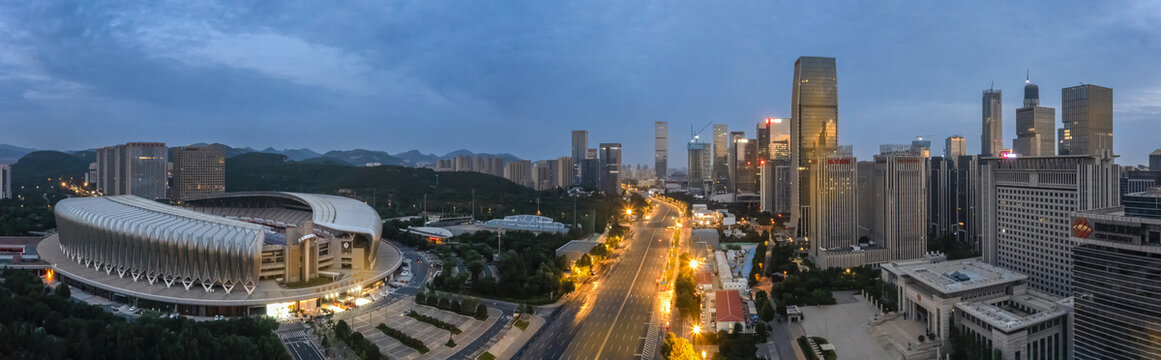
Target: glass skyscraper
point(813, 125)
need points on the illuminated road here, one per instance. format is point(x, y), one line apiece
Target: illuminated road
point(611, 321)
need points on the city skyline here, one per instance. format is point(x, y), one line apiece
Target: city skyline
point(182, 81)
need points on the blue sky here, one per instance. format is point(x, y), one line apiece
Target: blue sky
point(501, 76)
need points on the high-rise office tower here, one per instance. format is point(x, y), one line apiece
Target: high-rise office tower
point(943, 202)
point(992, 137)
point(580, 144)
point(1027, 207)
point(921, 146)
point(1035, 125)
point(1114, 275)
point(610, 177)
point(969, 195)
point(732, 160)
point(721, 158)
point(900, 204)
point(813, 127)
point(136, 168)
point(198, 171)
point(833, 218)
point(520, 172)
point(660, 149)
point(954, 147)
point(700, 167)
point(775, 178)
point(1087, 113)
point(5, 182)
point(745, 166)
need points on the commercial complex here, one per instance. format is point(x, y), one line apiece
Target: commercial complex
point(813, 128)
point(1027, 207)
point(1116, 263)
point(1087, 113)
point(661, 149)
point(1035, 125)
point(136, 168)
point(198, 171)
point(992, 136)
point(232, 254)
point(992, 307)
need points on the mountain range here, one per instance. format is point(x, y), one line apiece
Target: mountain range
point(358, 157)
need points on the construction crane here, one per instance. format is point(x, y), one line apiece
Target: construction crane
point(694, 136)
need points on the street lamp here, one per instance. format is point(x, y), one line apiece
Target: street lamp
point(693, 264)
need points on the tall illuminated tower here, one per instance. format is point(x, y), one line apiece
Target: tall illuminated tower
point(813, 127)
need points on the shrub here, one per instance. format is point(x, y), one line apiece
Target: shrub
point(481, 312)
point(435, 322)
point(403, 338)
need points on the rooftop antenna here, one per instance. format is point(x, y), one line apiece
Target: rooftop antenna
point(993, 87)
point(1028, 77)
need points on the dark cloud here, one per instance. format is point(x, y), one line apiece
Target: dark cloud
point(504, 77)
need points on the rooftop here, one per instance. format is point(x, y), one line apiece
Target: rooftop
point(729, 305)
point(577, 246)
point(1008, 318)
point(954, 276)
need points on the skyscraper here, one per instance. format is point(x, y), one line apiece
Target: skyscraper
point(732, 160)
point(833, 218)
point(610, 177)
point(1035, 125)
point(661, 149)
point(136, 168)
point(745, 166)
point(1087, 113)
point(1114, 274)
point(721, 158)
point(5, 182)
point(700, 171)
point(1155, 160)
point(198, 171)
point(1027, 205)
point(955, 147)
point(900, 204)
point(943, 202)
point(992, 137)
point(580, 144)
point(813, 127)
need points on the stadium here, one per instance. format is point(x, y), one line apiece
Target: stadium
point(234, 254)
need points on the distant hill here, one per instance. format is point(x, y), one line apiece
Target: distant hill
point(294, 154)
point(359, 157)
point(463, 152)
point(414, 157)
point(392, 189)
point(11, 154)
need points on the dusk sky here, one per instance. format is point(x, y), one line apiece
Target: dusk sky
point(516, 77)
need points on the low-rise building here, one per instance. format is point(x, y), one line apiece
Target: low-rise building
point(728, 310)
point(990, 305)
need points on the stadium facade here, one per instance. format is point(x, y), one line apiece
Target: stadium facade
point(227, 254)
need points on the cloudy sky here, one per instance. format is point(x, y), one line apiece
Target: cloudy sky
point(501, 76)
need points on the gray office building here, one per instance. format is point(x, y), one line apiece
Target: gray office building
point(1087, 113)
point(198, 171)
point(1035, 125)
point(610, 175)
point(580, 144)
point(1115, 279)
point(954, 147)
point(1155, 160)
point(721, 158)
point(1027, 206)
point(136, 168)
point(700, 170)
point(661, 149)
point(992, 136)
point(813, 127)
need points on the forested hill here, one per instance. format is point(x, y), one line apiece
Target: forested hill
point(393, 190)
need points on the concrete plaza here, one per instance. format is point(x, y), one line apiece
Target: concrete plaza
point(846, 326)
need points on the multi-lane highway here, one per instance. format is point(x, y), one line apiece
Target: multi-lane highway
point(610, 319)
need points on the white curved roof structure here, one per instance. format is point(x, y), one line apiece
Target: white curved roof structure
point(139, 237)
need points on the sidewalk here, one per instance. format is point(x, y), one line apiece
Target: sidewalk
point(515, 338)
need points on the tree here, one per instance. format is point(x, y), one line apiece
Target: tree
point(584, 261)
point(475, 267)
point(676, 348)
point(63, 290)
point(481, 312)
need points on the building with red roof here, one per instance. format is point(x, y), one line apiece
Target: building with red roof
point(729, 310)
